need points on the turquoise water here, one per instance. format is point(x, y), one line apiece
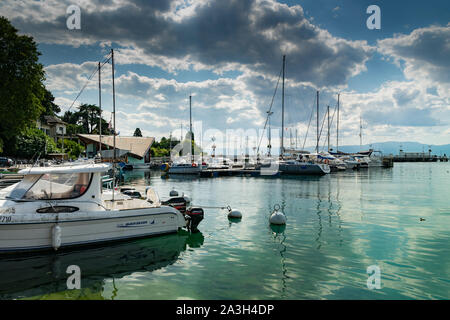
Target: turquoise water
point(337, 226)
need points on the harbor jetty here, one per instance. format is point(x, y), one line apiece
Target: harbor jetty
point(419, 157)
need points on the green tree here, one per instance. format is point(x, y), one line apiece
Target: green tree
point(72, 148)
point(21, 86)
point(137, 133)
point(32, 142)
point(85, 120)
point(50, 108)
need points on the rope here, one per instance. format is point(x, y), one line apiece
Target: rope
point(270, 108)
point(89, 79)
point(310, 118)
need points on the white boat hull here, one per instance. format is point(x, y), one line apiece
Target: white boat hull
point(305, 169)
point(17, 233)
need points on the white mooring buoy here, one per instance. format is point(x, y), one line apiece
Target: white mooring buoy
point(277, 217)
point(233, 213)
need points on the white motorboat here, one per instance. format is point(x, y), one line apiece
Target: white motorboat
point(184, 168)
point(64, 206)
point(350, 162)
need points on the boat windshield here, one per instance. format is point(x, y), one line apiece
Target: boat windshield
point(52, 186)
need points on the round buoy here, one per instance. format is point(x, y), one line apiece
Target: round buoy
point(277, 217)
point(173, 193)
point(233, 213)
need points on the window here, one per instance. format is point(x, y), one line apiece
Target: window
point(59, 186)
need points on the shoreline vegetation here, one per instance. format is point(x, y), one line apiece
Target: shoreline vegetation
point(25, 101)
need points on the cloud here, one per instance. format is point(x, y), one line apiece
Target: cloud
point(424, 52)
point(177, 35)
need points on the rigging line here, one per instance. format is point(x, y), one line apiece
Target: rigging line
point(323, 122)
point(310, 118)
point(86, 83)
point(331, 123)
point(270, 108)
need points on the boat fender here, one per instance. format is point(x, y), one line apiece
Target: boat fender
point(56, 237)
point(277, 217)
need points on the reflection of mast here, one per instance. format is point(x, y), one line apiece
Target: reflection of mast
point(278, 231)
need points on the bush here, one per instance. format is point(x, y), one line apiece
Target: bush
point(72, 148)
point(32, 142)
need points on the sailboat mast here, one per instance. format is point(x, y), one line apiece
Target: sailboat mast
point(317, 130)
point(114, 120)
point(100, 106)
point(337, 126)
point(282, 110)
point(360, 133)
point(190, 128)
point(296, 136)
point(328, 131)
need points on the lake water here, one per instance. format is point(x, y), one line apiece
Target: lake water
point(337, 226)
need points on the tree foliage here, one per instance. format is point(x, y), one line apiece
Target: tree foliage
point(163, 147)
point(21, 86)
point(32, 142)
point(85, 120)
point(137, 133)
point(72, 148)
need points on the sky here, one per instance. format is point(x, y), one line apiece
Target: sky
point(227, 54)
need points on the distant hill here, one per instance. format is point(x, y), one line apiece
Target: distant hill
point(393, 147)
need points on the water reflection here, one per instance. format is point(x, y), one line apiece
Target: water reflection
point(279, 235)
point(38, 274)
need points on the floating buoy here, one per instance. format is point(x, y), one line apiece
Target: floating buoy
point(56, 237)
point(277, 217)
point(165, 167)
point(233, 213)
point(173, 193)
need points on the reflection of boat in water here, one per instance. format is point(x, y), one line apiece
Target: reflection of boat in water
point(35, 274)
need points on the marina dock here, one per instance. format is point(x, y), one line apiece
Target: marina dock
point(212, 173)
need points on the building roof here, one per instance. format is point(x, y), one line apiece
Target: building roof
point(52, 119)
point(138, 146)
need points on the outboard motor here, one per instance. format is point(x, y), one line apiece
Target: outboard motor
point(193, 216)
